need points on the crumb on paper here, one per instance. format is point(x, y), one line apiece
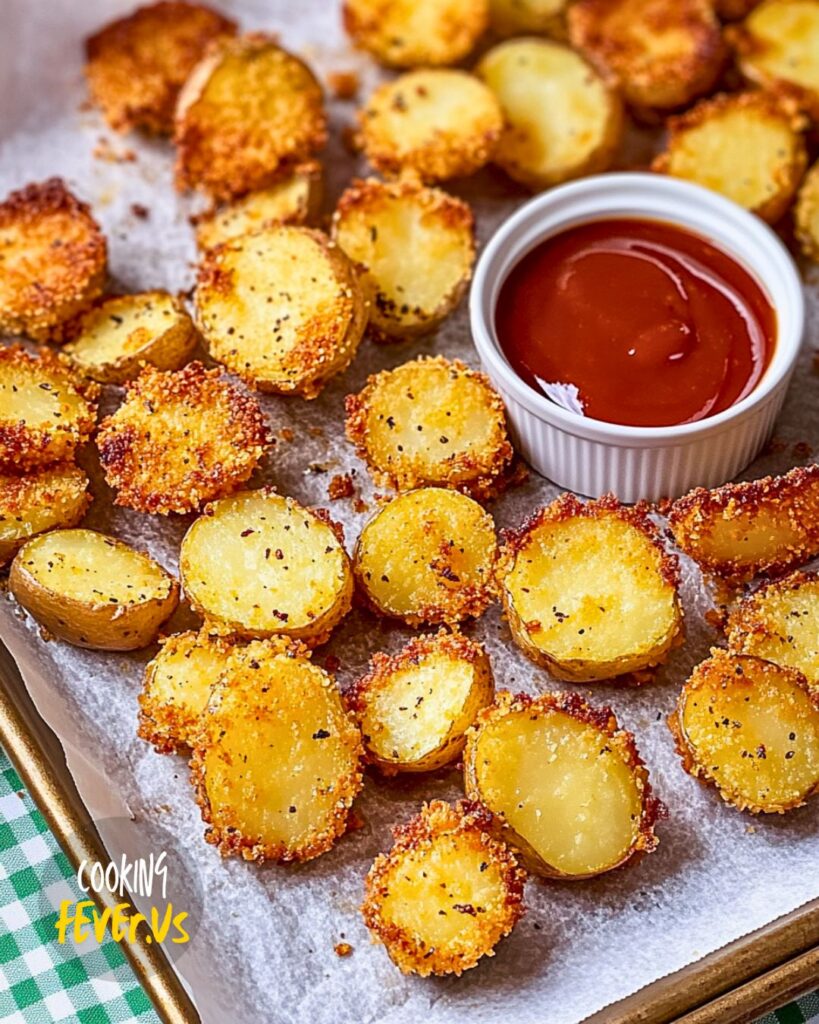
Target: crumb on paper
point(801, 450)
point(342, 949)
point(356, 820)
point(315, 431)
point(286, 434)
point(349, 138)
point(359, 505)
point(774, 446)
point(344, 85)
point(105, 151)
point(139, 211)
point(332, 663)
point(341, 486)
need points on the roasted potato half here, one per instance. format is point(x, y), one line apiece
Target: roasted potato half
point(54, 259)
point(752, 729)
point(436, 123)
point(259, 564)
point(294, 200)
point(446, 893)
point(43, 499)
point(248, 115)
point(180, 439)
point(427, 556)
point(589, 591)
point(528, 17)
point(121, 332)
point(806, 214)
point(415, 248)
point(562, 119)
point(565, 782)
point(710, 145)
point(282, 308)
point(662, 53)
point(276, 762)
point(136, 65)
point(776, 47)
point(414, 708)
point(756, 527)
point(778, 621)
point(416, 33)
point(177, 686)
point(93, 590)
point(432, 421)
point(47, 408)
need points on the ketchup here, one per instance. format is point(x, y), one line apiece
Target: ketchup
point(637, 322)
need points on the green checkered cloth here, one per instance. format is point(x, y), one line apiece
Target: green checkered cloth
point(42, 982)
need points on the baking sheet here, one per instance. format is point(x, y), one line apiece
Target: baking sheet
point(265, 947)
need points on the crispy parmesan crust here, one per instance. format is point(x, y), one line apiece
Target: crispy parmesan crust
point(180, 439)
point(42, 499)
point(777, 112)
point(806, 214)
point(409, 34)
point(227, 837)
point(53, 257)
point(248, 115)
point(792, 500)
point(601, 718)
point(413, 124)
point(23, 445)
point(482, 473)
point(616, 36)
point(136, 65)
point(467, 821)
point(725, 670)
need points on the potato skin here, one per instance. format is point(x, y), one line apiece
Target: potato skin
point(481, 473)
point(565, 508)
point(792, 156)
point(726, 670)
point(789, 502)
point(806, 214)
point(382, 667)
point(24, 446)
point(601, 718)
point(104, 626)
point(615, 35)
point(49, 498)
point(525, 17)
point(409, 33)
point(227, 147)
point(44, 286)
point(136, 65)
point(466, 822)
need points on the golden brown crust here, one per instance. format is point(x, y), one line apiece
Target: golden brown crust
point(733, 10)
point(790, 501)
point(179, 439)
point(248, 115)
point(25, 443)
point(468, 822)
point(723, 670)
point(407, 34)
point(53, 257)
point(246, 671)
point(43, 499)
point(788, 159)
point(631, 40)
point(480, 472)
point(806, 214)
point(137, 65)
point(437, 124)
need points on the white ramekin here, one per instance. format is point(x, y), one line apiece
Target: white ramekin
point(590, 456)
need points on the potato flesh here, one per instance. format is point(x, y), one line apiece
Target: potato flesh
point(423, 548)
point(453, 411)
point(587, 605)
point(289, 563)
point(86, 566)
point(757, 736)
point(52, 497)
point(748, 538)
point(426, 888)
point(744, 153)
point(125, 327)
point(787, 35)
point(415, 259)
point(273, 771)
point(39, 401)
point(558, 110)
point(286, 201)
point(783, 628)
point(562, 787)
point(415, 711)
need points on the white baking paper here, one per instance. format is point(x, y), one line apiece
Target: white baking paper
point(264, 950)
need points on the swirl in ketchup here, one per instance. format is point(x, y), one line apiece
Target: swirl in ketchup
point(636, 322)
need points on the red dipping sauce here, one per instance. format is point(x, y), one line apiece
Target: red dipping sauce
point(637, 322)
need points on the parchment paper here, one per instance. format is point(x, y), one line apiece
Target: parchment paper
point(264, 951)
